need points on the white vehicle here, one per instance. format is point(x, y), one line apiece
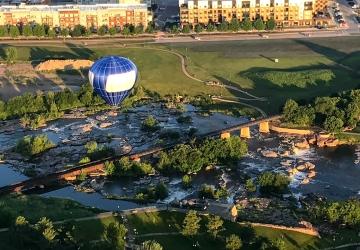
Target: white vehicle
point(264, 36)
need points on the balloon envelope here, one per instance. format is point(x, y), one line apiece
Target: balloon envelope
point(113, 77)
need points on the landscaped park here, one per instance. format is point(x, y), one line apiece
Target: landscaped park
point(165, 227)
point(306, 68)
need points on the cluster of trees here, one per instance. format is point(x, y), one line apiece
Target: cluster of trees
point(150, 124)
point(192, 226)
point(37, 30)
point(209, 192)
point(331, 113)
point(96, 152)
point(337, 212)
point(192, 158)
point(46, 235)
point(127, 167)
point(234, 25)
point(33, 145)
point(35, 109)
point(270, 182)
point(152, 193)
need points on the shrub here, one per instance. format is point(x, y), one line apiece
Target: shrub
point(32, 145)
point(273, 183)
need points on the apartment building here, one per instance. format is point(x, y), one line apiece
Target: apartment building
point(70, 15)
point(284, 12)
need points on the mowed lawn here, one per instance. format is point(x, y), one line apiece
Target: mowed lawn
point(239, 63)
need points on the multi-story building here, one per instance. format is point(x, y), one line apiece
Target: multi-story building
point(112, 15)
point(284, 12)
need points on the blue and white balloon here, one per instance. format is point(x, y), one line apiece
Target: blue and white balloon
point(113, 77)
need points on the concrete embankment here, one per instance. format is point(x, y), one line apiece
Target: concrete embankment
point(291, 131)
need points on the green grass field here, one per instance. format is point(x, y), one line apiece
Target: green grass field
point(34, 207)
point(246, 64)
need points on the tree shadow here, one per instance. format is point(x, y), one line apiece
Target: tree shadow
point(80, 50)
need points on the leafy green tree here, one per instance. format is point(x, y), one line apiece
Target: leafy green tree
point(250, 186)
point(150, 245)
point(352, 112)
point(65, 32)
point(273, 183)
point(10, 55)
point(333, 124)
point(102, 30)
point(32, 145)
point(114, 234)
point(14, 31)
point(139, 29)
point(186, 29)
point(279, 244)
point(126, 31)
point(186, 181)
point(3, 112)
point(51, 33)
point(234, 25)
point(174, 29)
point(88, 32)
point(326, 105)
point(246, 24)
point(27, 30)
point(150, 124)
point(199, 28)
point(39, 30)
point(210, 27)
point(150, 28)
point(191, 224)
point(271, 24)
point(112, 31)
point(233, 242)
point(223, 26)
point(259, 24)
point(3, 31)
point(91, 147)
point(289, 109)
point(78, 30)
point(214, 225)
point(161, 191)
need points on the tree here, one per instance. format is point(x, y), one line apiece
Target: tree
point(39, 30)
point(112, 31)
point(333, 124)
point(10, 55)
point(224, 26)
point(233, 242)
point(88, 32)
point(78, 30)
point(191, 224)
point(3, 31)
point(27, 30)
point(139, 29)
point(246, 24)
point(199, 28)
point(259, 24)
point(102, 30)
point(250, 186)
point(271, 24)
point(161, 191)
point(279, 244)
point(214, 225)
point(174, 29)
point(150, 245)
point(150, 124)
point(91, 147)
point(126, 31)
point(210, 27)
point(186, 29)
point(289, 109)
point(64, 32)
point(234, 25)
point(186, 181)
point(51, 33)
point(150, 28)
point(114, 234)
point(273, 182)
point(14, 31)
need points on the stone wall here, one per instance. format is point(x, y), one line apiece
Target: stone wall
point(292, 131)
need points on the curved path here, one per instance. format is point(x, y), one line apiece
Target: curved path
point(187, 74)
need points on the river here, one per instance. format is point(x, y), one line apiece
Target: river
point(337, 170)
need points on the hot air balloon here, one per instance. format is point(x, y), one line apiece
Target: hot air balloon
point(112, 78)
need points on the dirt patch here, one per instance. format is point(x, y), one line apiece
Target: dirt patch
point(63, 65)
